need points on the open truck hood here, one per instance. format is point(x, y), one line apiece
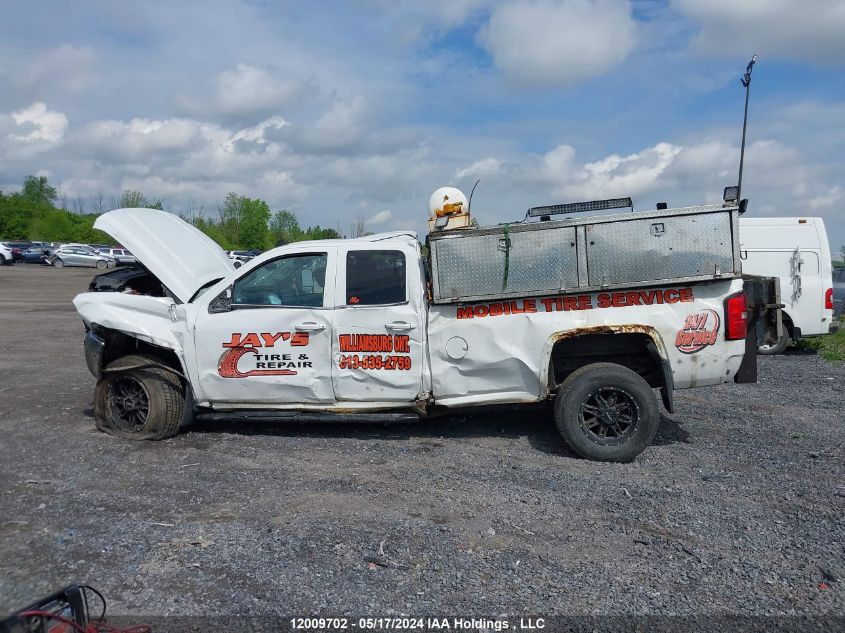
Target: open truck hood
point(182, 257)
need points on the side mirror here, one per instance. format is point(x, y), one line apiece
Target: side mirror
point(222, 302)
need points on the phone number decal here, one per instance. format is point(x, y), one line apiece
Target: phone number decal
point(390, 363)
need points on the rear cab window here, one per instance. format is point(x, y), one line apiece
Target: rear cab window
point(375, 277)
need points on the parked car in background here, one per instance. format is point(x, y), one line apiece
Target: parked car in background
point(796, 251)
point(7, 257)
point(121, 255)
point(17, 247)
point(35, 255)
point(839, 291)
point(80, 255)
point(239, 258)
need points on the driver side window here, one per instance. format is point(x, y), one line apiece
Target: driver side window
point(294, 280)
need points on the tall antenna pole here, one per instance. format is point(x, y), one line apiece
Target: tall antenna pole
point(746, 82)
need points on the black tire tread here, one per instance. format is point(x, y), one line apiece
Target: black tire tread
point(166, 398)
point(649, 418)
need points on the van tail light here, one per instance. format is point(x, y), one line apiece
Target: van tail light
point(828, 299)
point(736, 317)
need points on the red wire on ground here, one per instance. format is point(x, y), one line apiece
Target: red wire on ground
point(93, 627)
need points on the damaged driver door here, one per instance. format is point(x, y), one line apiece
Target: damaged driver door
point(267, 339)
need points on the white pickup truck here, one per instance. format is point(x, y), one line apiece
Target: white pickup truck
point(377, 329)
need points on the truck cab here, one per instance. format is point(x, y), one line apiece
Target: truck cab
point(342, 321)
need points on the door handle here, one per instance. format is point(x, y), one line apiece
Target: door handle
point(310, 326)
point(399, 326)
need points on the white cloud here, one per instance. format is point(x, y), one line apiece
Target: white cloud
point(826, 200)
point(695, 172)
point(41, 124)
point(381, 217)
point(29, 133)
point(68, 66)
point(557, 163)
point(45, 74)
point(411, 21)
point(558, 42)
point(483, 168)
point(611, 176)
point(140, 139)
point(246, 91)
point(341, 126)
point(812, 31)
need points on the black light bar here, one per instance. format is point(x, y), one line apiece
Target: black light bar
point(581, 207)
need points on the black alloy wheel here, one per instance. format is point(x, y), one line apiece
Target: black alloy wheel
point(129, 404)
point(608, 416)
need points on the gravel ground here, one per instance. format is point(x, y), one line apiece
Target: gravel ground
point(737, 508)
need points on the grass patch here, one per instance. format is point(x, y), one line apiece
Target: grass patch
point(831, 347)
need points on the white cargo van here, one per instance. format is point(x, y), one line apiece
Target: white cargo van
point(795, 250)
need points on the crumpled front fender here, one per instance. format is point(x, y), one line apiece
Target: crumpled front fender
point(142, 317)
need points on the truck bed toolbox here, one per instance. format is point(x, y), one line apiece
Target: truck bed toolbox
point(624, 250)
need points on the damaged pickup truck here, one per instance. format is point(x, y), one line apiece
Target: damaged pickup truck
point(590, 314)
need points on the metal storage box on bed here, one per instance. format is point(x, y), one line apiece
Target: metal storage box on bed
point(584, 254)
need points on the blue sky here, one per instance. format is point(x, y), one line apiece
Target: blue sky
point(362, 108)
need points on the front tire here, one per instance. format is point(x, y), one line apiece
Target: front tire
point(102, 264)
point(606, 412)
point(144, 403)
point(58, 263)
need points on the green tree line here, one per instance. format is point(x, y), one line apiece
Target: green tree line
point(242, 223)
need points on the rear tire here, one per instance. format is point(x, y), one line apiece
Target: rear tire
point(139, 404)
point(606, 412)
point(237, 264)
point(2, 260)
point(58, 263)
point(778, 347)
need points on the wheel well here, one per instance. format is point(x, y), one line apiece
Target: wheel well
point(118, 344)
point(636, 351)
point(787, 323)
